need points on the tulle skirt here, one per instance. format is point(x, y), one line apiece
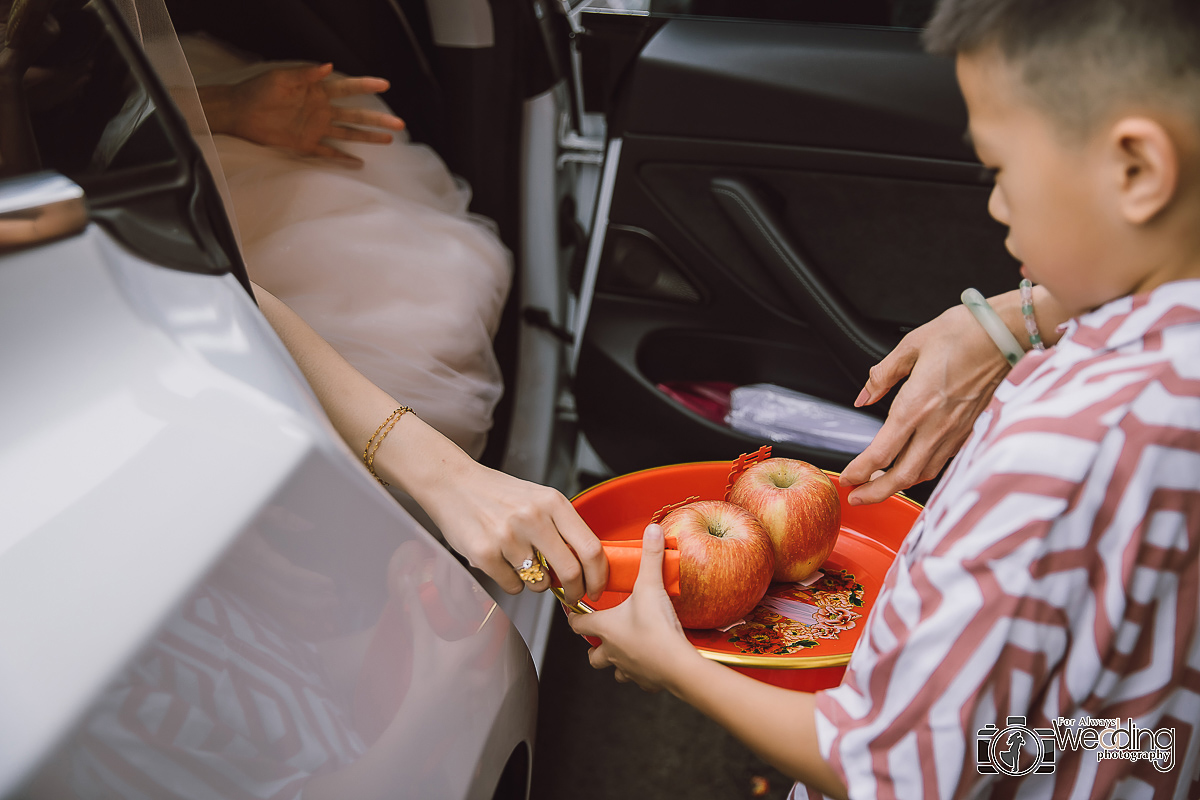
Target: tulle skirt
point(384, 262)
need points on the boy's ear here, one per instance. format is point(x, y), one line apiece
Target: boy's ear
point(1147, 166)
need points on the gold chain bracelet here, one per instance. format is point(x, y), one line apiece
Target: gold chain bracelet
point(377, 438)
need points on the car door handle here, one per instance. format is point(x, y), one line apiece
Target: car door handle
point(39, 207)
point(851, 338)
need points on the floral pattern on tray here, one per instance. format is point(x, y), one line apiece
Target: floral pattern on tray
point(793, 617)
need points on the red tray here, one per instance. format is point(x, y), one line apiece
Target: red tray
point(770, 647)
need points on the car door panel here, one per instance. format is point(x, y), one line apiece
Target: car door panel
point(870, 218)
point(790, 200)
point(851, 88)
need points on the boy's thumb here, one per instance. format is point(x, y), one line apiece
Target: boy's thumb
point(650, 570)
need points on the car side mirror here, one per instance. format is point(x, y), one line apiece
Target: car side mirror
point(39, 207)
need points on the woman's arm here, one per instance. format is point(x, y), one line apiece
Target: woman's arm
point(493, 519)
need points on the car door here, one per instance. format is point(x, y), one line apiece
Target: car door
point(202, 591)
point(786, 194)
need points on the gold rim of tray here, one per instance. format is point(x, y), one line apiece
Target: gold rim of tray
point(831, 473)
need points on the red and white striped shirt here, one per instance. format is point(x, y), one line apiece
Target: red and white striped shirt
point(1054, 575)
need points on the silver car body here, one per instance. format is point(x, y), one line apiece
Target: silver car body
point(159, 448)
point(153, 420)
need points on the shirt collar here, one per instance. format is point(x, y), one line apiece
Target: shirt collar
point(1134, 317)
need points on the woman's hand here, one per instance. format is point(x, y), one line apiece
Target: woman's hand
point(642, 637)
point(497, 521)
point(953, 368)
point(292, 108)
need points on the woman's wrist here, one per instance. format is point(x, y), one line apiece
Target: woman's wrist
point(1047, 313)
point(417, 459)
point(994, 326)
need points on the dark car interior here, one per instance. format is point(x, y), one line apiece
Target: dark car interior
point(86, 105)
point(793, 191)
point(791, 199)
point(793, 195)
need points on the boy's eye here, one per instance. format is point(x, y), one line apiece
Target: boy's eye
point(988, 174)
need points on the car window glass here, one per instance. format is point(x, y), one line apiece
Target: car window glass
point(79, 97)
point(91, 115)
point(887, 13)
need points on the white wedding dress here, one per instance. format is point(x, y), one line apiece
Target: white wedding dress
point(384, 262)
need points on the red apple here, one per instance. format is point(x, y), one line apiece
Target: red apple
point(725, 562)
point(799, 507)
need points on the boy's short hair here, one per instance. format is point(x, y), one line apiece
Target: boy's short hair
point(1082, 60)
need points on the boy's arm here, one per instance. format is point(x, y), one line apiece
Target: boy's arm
point(776, 723)
point(643, 640)
point(953, 368)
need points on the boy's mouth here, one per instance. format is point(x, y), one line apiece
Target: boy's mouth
point(1011, 247)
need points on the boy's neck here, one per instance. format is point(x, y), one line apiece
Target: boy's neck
point(1139, 257)
point(1171, 242)
point(1169, 248)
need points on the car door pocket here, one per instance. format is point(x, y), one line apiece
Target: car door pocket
point(855, 342)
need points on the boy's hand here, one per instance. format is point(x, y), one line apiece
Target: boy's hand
point(953, 368)
point(642, 637)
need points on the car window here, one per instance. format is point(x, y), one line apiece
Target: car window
point(96, 113)
point(885, 13)
point(91, 114)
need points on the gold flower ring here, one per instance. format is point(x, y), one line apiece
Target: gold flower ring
point(531, 570)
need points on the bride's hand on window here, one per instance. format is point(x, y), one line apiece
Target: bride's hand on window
point(292, 108)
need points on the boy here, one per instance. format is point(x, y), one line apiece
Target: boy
point(1054, 575)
